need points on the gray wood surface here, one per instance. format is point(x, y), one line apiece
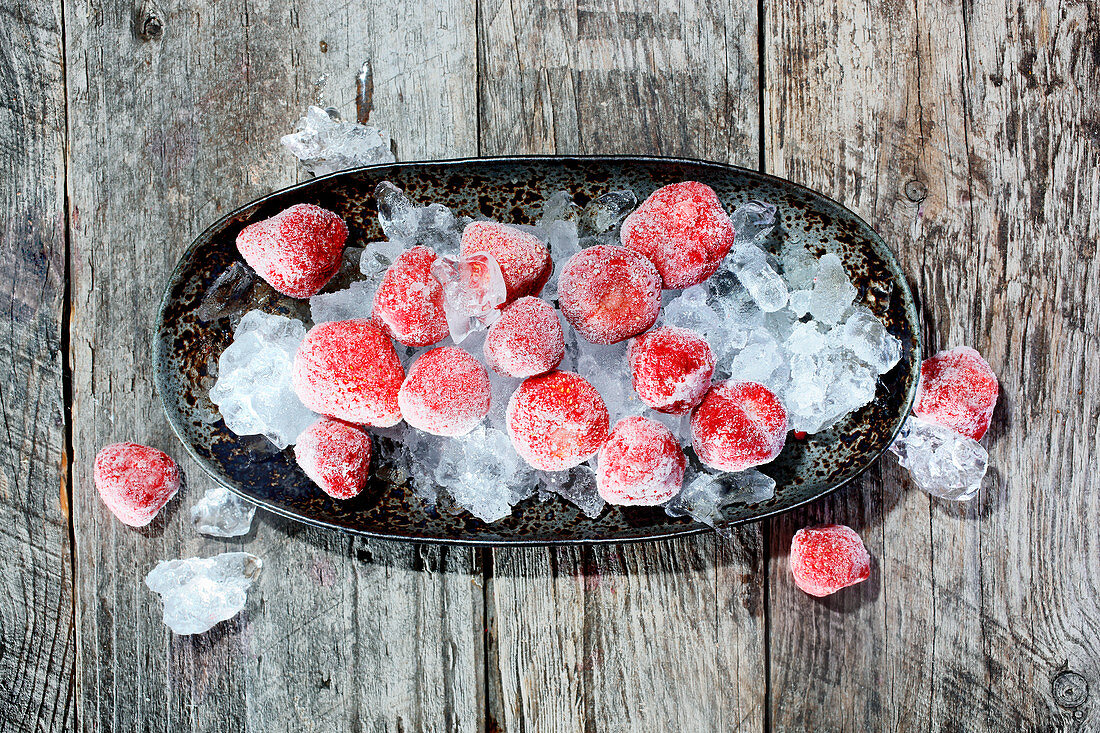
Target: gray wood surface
point(37, 642)
point(966, 133)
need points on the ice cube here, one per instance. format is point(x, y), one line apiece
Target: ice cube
point(407, 224)
point(199, 593)
point(800, 301)
point(705, 494)
point(221, 513)
point(558, 206)
point(607, 211)
point(473, 291)
point(939, 460)
point(377, 257)
point(865, 336)
point(750, 264)
point(253, 391)
point(483, 473)
point(563, 242)
point(576, 485)
point(753, 221)
point(799, 265)
point(326, 144)
point(763, 360)
point(227, 293)
point(355, 301)
point(833, 291)
point(606, 367)
point(691, 310)
point(824, 387)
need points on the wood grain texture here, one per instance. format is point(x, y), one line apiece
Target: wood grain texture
point(651, 636)
point(37, 643)
point(169, 130)
point(967, 135)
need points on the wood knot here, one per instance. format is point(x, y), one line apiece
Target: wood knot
point(147, 21)
point(1070, 689)
point(916, 191)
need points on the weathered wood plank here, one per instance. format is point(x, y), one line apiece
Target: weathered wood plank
point(169, 131)
point(967, 135)
point(37, 642)
point(662, 636)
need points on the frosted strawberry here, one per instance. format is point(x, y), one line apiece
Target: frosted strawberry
point(827, 558)
point(409, 302)
point(641, 464)
point(959, 390)
point(349, 370)
point(738, 425)
point(297, 251)
point(683, 229)
point(336, 455)
point(526, 340)
point(609, 293)
point(523, 258)
point(135, 481)
point(446, 393)
point(671, 368)
point(556, 420)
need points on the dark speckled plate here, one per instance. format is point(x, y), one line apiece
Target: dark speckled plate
point(512, 189)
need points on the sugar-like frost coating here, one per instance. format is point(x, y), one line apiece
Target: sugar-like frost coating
point(349, 370)
point(641, 464)
point(556, 420)
point(523, 258)
point(958, 389)
point(135, 481)
point(609, 293)
point(447, 392)
point(827, 558)
point(671, 368)
point(296, 251)
point(336, 456)
point(738, 425)
point(409, 303)
point(683, 229)
point(526, 340)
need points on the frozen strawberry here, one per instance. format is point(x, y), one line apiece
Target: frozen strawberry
point(523, 258)
point(409, 302)
point(135, 481)
point(609, 293)
point(641, 464)
point(336, 455)
point(738, 425)
point(349, 370)
point(683, 229)
point(296, 251)
point(959, 390)
point(827, 558)
point(526, 340)
point(446, 392)
point(671, 368)
point(556, 420)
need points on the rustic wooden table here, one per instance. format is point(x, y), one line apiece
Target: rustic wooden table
point(967, 133)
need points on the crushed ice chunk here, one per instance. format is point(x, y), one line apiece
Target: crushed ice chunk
point(607, 211)
point(833, 291)
point(355, 301)
point(763, 360)
point(705, 494)
point(473, 291)
point(939, 460)
point(377, 258)
point(799, 265)
point(750, 264)
point(326, 144)
point(253, 392)
point(799, 303)
point(865, 336)
point(753, 221)
point(201, 592)
point(558, 206)
point(691, 310)
point(227, 292)
point(606, 367)
point(483, 473)
point(407, 224)
point(824, 387)
point(561, 237)
point(576, 485)
point(221, 513)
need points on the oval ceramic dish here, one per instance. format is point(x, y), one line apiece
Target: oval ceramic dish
point(512, 190)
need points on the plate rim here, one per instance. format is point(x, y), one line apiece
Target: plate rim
point(687, 530)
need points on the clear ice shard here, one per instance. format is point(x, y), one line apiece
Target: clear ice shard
point(227, 292)
point(326, 144)
point(201, 592)
point(705, 494)
point(483, 473)
point(865, 336)
point(355, 301)
point(607, 211)
point(753, 221)
point(558, 206)
point(221, 513)
point(473, 291)
point(576, 485)
point(750, 264)
point(377, 258)
point(939, 460)
point(407, 224)
point(833, 291)
point(254, 392)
